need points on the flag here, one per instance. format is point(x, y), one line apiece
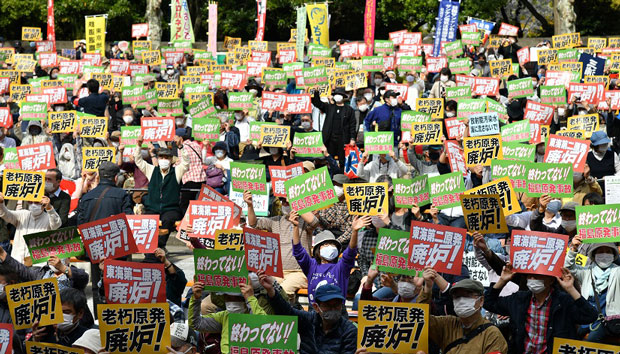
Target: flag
point(180, 22)
point(261, 17)
point(319, 19)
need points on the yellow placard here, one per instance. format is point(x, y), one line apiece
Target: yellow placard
point(118, 323)
point(151, 57)
point(563, 345)
point(595, 79)
point(483, 213)
point(432, 106)
point(51, 83)
point(481, 150)
point(367, 198)
point(92, 157)
point(503, 188)
point(167, 90)
point(6, 54)
point(232, 239)
point(93, 127)
point(23, 185)
point(576, 134)
point(385, 317)
point(327, 62)
point(500, 68)
point(318, 18)
point(12, 75)
point(146, 45)
point(567, 40)
point(575, 66)
point(588, 123)
point(286, 45)
point(274, 135)
point(259, 46)
point(294, 36)
point(95, 34)
point(40, 347)
point(19, 92)
point(118, 83)
point(105, 80)
point(34, 301)
point(189, 80)
point(428, 133)
point(24, 65)
point(31, 34)
point(597, 43)
point(62, 122)
point(197, 70)
point(231, 42)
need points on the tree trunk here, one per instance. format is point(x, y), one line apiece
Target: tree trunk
point(153, 18)
point(566, 16)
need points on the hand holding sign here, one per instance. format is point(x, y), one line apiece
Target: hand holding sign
point(507, 274)
point(246, 290)
point(266, 282)
point(197, 290)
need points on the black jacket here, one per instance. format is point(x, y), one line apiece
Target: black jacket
point(79, 278)
point(564, 316)
point(115, 201)
point(346, 126)
point(62, 205)
point(95, 103)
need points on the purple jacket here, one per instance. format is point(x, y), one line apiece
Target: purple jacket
point(329, 273)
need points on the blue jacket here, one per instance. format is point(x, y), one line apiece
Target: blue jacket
point(382, 114)
point(342, 339)
point(94, 103)
point(564, 316)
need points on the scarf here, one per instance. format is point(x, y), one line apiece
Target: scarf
point(601, 279)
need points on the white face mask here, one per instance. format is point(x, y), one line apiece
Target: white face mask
point(329, 253)
point(68, 324)
point(604, 260)
point(35, 209)
point(128, 119)
point(406, 289)
point(67, 155)
point(235, 306)
point(170, 71)
point(219, 154)
point(273, 150)
point(254, 281)
point(582, 113)
point(306, 125)
point(377, 222)
point(444, 78)
point(536, 285)
point(561, 111)
point(368, 96)
point(338, 98)
point(164, 164)
point(286, 209)
point(393, 101)
point(49, 187)
point(450, 114)
point(378, 82)
point(115, 144)
point(569, 225)
point(363, 107)
point(253, 92)
point(465, 306)
point(339, 191)
point(178, 121)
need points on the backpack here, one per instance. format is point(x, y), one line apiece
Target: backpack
point(215, 177)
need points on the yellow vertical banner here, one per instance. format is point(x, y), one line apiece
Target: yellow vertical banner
point(319, 23)
point(95, 34)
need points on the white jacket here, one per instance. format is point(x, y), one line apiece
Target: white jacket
point(584, 275)
point(25, 223)
point(371, 170)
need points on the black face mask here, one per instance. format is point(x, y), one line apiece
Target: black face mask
point(434, 155)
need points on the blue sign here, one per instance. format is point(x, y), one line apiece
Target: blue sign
point(481, 24)
point(591, 65)
point(447, 24)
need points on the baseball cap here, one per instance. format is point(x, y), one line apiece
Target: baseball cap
point(468, 284)
point(390, 93)
point(181, 332)
point(569, 206)
point(599, 137)
point(108, 170)
point(328, 292)
point(308, 165)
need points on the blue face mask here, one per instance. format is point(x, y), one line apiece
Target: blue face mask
point(388, 158)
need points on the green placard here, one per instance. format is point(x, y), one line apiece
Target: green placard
point(514, 150)
point(445, 190)
point(598, 223)
point(221, 270)
point(343, 65)
point(248, 176)
point(568, 55)
point(458, 93)
point(471, 38)
point(378, 142)
point(290, 68)
point(238, 101)
point(311, 191)
point(408, 117)
point(520, 88)
point(454, 48)
point(459, 65)
point(62, 243)
point(206, 129)
point(515, 170)
point(553, 95)
point(374, 63)
point(11, 161)
point(518, 131)
point(392, 252)
point(500, 109)
point(315, 76)
point(150, 98)
point(317, 50)
point(308, 144)
point(411, 191)
point(471, 106)
point(275, 78)
point(33, 111)
point(408, 63)
point(271, 334)
point(555, 179)
point(132, 94)
point(170, 108)
point(202, 108)
point(384, 46)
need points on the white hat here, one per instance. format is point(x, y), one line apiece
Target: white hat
point(89, 340)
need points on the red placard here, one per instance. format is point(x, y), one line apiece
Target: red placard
point(397, 37)
point(389, 62)
point(287, 56)
point(456, 156)
point(208, 217)
point(262, 56)
point(400, 88)
point(279, 174)
point(57, 95)
point(6, 338)
point(39, 98)
point(524, 55)
point(134, 283)
point(538, 252)
point(119, 66)
point(557, 78)
point(255, 68)
point(5, 82)
point(36, 157)
point(562, 149)
point(300, 103)
point(209, 194)
point(45, 46)
point(472, 27)
point(138, 69)
point(455, 128)
point(139, 30)
point(508, 30)
point(108, 238)
point(435, 64)
point(144, 229)
point(234, 80)
point(589, 93)
point(158, 128)
point(6, 119)
point(485, 86)
point(262, 252)
point(175, 57)
point(438, 246)
point(70, 66)
point(93, 58)
point(273, 101)
point(412, 38)
point(48, 59)
point(538, 113)
point(348, 50)
point(464, 80)
point(612, 95)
